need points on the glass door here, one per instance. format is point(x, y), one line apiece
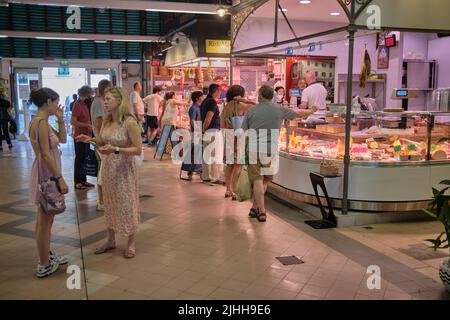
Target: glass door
point(25, 80)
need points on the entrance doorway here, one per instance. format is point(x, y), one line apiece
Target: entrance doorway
point(26, 80)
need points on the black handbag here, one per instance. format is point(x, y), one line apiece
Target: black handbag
point(12, 127)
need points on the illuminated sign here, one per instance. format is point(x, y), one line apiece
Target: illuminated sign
point(390, 41)
point(218, 46)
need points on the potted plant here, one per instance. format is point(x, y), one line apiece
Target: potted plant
point(440, 210)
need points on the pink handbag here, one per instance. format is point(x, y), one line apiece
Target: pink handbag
point(51, 200)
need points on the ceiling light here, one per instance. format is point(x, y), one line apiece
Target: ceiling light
point(61, 38)
point(3, 36)
point(180, 11)
point(101, 41)
point(132, 40)
point(305, 1)
point(284, 10)
point(335, 14)
point(221, 11)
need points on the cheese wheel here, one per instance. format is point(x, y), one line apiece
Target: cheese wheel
point(439, 155)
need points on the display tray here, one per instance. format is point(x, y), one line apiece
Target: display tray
point(359, 136)
point(369, 163)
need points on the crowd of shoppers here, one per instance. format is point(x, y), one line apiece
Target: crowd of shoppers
point(112, 123)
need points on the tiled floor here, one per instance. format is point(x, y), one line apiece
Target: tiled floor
point(194, 244)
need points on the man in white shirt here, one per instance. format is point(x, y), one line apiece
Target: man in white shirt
point(98, 113)
point(153, 103)
point(137, 103)
point(315, 94)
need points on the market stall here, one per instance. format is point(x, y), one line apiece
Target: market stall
point(389, 155)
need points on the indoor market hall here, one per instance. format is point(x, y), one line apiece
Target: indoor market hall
point(226, 151)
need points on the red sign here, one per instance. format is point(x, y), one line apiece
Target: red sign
point(156, 63)
point(390, 41)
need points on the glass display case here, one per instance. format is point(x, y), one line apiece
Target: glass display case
point(380, 137)
point(396, 158)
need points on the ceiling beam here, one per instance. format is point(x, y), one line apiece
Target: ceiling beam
point(158, 6)
point(77, 36)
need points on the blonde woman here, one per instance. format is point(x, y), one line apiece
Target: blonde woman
point(119, 141)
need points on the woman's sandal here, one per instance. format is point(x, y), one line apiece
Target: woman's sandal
point(80, 186)
point(129, 254)
point(261, 217)
point(228, 194)
point(253, 213)
point(104, 249)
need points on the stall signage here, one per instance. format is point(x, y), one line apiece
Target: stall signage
point(390, 41)
point(289, 51)
point(218, 46)
point(313, 46)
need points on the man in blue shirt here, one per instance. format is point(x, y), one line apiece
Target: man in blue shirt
point(195, 122)
point(194, 111)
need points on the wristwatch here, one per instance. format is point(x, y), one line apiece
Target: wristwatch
point(117, 150)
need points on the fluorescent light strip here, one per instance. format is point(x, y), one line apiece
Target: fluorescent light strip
point(335, 14)
point(305, 1)
point(181, 11)
point(284, 10)
point(59, 38)
point(3, 36)
point(132, 40)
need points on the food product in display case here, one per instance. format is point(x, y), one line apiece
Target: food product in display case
point(376, 143)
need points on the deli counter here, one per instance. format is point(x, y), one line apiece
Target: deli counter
point(396, 158)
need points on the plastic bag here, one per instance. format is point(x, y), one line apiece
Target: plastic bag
point(243, 187)
point(139, 159)
point(89, 166)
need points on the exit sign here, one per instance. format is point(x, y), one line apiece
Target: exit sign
point(63, 63)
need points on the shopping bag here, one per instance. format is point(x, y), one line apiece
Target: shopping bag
point(243, 187)
point(237, 122)
point(139, 159)
point(90, 163)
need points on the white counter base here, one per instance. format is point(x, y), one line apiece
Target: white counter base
point(379, 187)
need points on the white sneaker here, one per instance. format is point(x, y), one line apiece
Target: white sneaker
point(44, 271)
point(59, 259)
point(100, 207)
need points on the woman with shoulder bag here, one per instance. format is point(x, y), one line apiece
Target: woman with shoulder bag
point(231, 120)
point(47, 186)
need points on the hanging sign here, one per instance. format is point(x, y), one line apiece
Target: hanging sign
point(63, 71)
point(218, 46)
point(289, 51)
point(313, 46)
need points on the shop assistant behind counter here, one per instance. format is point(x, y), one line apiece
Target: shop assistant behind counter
point(315, 94)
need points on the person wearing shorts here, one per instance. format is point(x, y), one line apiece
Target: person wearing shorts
point(153, 103)
point(265, 118)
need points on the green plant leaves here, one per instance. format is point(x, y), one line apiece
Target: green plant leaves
point(440, 210)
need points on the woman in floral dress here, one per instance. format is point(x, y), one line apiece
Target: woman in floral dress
point(119, 141)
